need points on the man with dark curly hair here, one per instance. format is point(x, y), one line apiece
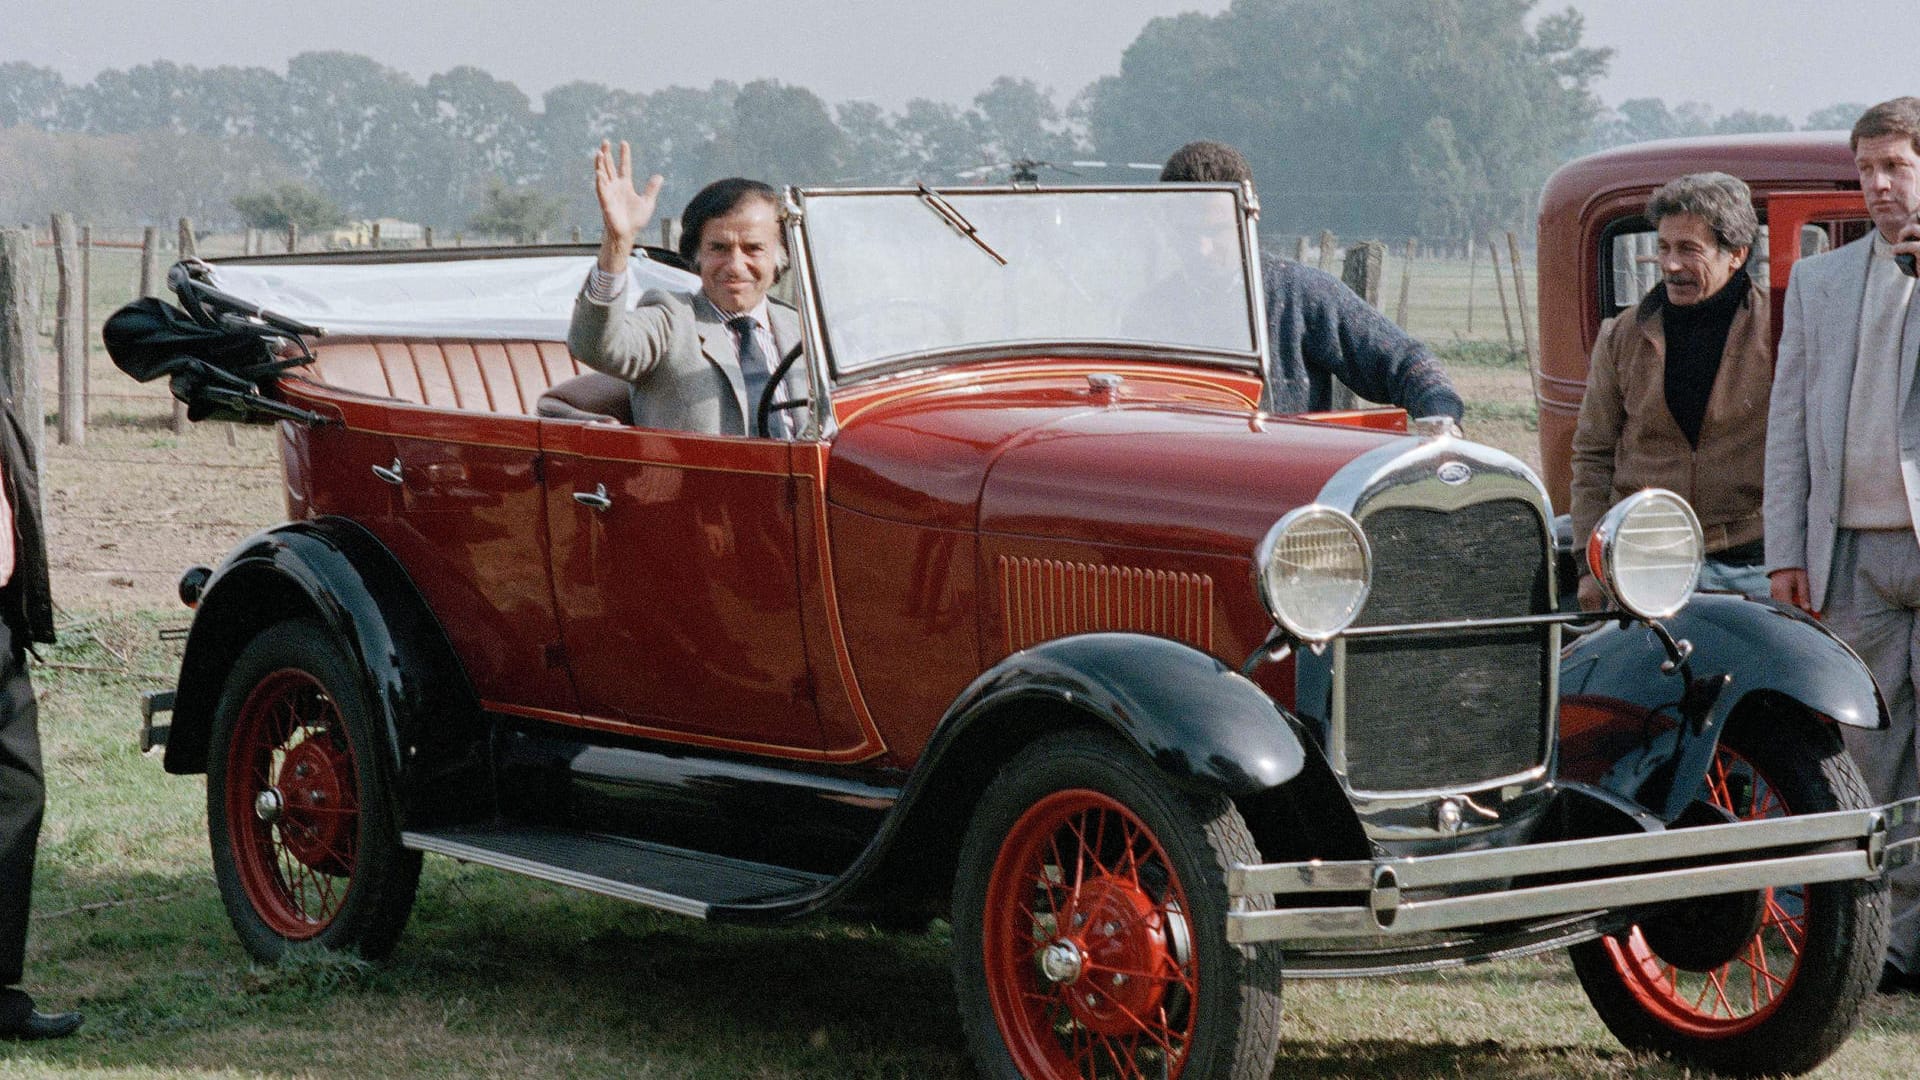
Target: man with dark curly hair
point(1318, 330)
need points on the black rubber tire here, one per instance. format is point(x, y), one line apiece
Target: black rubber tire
point(1804, 763)
point(382, 877)
point(1236, 1025)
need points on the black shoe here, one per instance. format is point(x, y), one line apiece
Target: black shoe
point(21, 1022)
point(1895, 981)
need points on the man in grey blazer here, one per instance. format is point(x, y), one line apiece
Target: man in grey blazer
point(1842, 503)
point(687, 361)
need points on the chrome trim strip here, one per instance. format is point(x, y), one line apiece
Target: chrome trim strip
point(1424, 915)
point(1558, 618)
point(653, 898)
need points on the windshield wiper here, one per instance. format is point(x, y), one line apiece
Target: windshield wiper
point(958, 220)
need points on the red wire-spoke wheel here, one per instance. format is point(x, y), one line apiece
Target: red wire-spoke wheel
point(1089, 959)
point(301, 823)
point(1769, 981)
point(292, 805)
point(1089, 926)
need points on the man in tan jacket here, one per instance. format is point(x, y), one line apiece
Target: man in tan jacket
point(1678, 386)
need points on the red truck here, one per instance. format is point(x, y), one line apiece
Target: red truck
point(1596, 245)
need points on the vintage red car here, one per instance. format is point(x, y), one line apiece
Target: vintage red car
point(1039, 622)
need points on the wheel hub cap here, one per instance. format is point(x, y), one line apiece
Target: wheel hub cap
point(268, 805)
point(1061, 962)
point(313, 810)
point(1119, 942)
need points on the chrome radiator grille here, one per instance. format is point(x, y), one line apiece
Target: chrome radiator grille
point(1449, 710)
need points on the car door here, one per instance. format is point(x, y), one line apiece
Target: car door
point(674, 574)
point(1805, 223)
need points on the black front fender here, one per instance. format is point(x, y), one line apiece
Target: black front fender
point(1743, 650)
point(1201, 722)
point(336, 573)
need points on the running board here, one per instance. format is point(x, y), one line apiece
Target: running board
point(668, 878)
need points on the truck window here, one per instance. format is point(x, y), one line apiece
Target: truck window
point(1633, 261)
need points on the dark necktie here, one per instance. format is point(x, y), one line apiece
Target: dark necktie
point(753, 370)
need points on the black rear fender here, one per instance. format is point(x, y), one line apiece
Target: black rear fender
point(338, 575)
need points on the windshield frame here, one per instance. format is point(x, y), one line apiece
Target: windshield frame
point(823, 376)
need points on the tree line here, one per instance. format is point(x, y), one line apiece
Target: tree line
point(1389, 117)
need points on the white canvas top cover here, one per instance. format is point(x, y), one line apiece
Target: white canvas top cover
point(518, 299)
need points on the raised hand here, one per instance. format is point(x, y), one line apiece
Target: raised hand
point(624, 210)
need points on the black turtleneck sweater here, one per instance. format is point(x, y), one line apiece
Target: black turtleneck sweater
point(1696, 337)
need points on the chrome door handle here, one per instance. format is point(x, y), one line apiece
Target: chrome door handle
point(389, 473)
point(597, 498)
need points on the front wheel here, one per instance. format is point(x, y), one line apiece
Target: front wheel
point(1762, 983)
point(298, 813)
point(1090, 924)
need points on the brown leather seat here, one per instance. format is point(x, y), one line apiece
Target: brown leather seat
point(444, 373)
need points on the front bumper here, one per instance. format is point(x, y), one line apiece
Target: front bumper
point(1482, 888)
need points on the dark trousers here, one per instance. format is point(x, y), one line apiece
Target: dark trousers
point(22, 800)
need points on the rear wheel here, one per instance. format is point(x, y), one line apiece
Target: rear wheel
point(1758, 983)
point(1089, 924)
point(300, 820)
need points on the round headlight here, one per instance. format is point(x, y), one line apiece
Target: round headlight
point(1647, 551)
point(1314, 570)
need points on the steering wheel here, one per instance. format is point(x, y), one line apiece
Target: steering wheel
point(768, 406)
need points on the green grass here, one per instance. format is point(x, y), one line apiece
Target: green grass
point(498, 976)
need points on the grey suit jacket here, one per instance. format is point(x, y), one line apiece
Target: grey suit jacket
point(1807, 416)
point(679, 358)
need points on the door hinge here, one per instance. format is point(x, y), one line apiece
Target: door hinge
point(539, 468)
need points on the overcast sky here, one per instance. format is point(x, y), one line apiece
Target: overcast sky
point(1781, 56)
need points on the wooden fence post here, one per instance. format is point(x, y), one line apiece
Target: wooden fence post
point(1361, 271)
point(1300, 249)
point(1406, 281)
point(1500, 287)
point(293, 237)
point(426, 235)
point(1472, 268)
point(150, 278)
point(188, 248)
point(1327, 245)
point(1520, 300)
point(86, 325)
point(576, 234)
point(67, 333)
point(20, 331)
point(373, 237)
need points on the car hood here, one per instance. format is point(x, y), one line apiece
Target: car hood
point(1169, 466)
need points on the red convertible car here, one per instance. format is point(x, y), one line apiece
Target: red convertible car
point(1039, 623)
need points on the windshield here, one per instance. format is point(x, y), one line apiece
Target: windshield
point(900, 273)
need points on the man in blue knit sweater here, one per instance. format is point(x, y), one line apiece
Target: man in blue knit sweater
point(1318, 330)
